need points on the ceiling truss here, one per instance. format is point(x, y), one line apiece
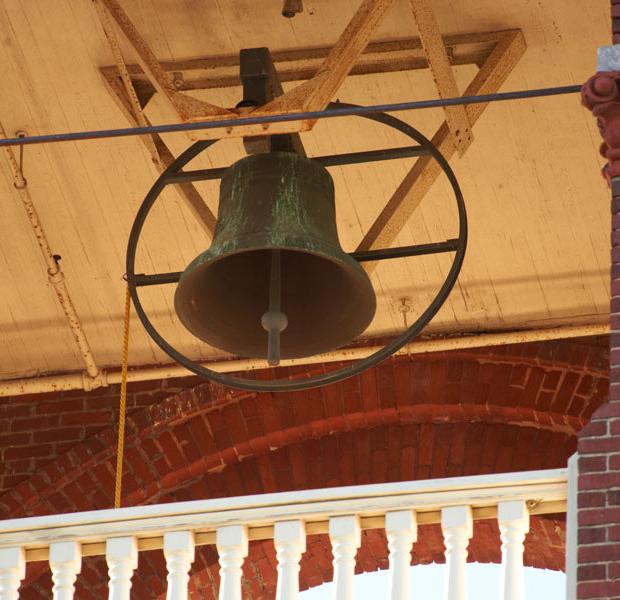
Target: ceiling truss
point(321, 71)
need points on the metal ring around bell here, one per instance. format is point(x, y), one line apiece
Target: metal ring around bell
point(289, 385)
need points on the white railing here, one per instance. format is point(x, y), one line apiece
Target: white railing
point(288, 518)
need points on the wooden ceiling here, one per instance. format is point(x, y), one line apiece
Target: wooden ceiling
point(538, 211)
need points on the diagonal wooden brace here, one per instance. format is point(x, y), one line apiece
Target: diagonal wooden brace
point(185, 106)
point(131, 107)
point(425, 171)
point(317, 93)
point(439, 63)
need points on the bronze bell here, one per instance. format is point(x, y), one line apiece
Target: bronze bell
point(275, 281)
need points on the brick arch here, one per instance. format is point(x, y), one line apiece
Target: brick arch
point(540, 394)
point(553, 385)
point(206, 429)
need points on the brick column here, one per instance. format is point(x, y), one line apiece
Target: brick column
point(598, 554)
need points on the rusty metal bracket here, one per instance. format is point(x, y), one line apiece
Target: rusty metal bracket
point(261, 84)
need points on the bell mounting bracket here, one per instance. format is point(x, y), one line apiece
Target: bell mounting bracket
point(260, 84)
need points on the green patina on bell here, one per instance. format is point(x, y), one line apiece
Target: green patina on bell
point(275, 202)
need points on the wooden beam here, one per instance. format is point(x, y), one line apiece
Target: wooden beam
point(316, 93)
point(158, 112)
point(425, 171)
point(185, 106)
point(437, 55)
point(299, 64)
point(295, 65)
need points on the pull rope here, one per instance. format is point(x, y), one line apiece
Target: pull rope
point(122, 409)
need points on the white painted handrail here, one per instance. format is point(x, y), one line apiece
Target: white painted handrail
point(432, 494)
point(288, 518)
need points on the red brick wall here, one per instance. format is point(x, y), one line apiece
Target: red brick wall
point(39, 428)
point(598, 572)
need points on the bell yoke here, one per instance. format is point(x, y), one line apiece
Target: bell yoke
point(275, 282)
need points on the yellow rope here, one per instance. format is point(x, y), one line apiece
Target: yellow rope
point(122, 405)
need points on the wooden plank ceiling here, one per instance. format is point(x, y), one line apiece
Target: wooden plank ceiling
point(538, 212)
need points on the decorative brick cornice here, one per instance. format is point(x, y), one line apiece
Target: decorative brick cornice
point(601, 95)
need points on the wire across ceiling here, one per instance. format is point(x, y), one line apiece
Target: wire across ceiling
point(296, 116)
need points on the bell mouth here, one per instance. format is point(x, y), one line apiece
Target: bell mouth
point(328, 301)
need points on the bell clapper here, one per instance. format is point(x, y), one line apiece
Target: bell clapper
point(274, 321)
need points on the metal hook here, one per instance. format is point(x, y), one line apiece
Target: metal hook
point(22, 179)
point(291, 8)
point(404, 308)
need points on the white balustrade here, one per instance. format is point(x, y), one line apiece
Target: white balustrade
point(12, 571)
point(122, 558)
point(514, 523)
point(401, 529)
point(179, 553)
point(290, 542)
point(232, 546)
point(457, 528)
point(65, 563)
point(288, 518)
point(345, 535)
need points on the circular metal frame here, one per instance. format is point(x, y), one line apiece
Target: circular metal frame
point(282, 385)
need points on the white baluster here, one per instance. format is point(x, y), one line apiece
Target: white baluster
point(290, 542)
point(514, 523)
point(12, 571)
point(346, 537)
point(179, 553)
point(122, 557)
point(232, 547)
point(66, 563)
point(402, 531)
point(457, 528)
